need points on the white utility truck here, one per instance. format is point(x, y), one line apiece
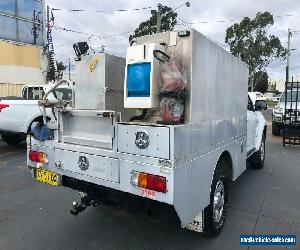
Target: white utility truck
point(18, 113)
point(169, 124)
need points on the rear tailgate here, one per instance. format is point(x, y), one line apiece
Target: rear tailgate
point(90, 165)
point(92, 131)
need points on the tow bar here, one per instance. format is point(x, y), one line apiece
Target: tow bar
point(85, 202)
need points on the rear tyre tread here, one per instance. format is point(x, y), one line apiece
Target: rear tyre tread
point(211, 228)
point(257, 160)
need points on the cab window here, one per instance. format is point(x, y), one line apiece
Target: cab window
point(33, 93)
point(62, 94)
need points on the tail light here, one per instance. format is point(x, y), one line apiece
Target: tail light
point(3, 106)
point(149, 181)
point(37, 156)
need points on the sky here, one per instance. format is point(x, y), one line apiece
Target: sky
point(108, 27)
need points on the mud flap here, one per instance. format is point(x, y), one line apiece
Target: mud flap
point(197, 224)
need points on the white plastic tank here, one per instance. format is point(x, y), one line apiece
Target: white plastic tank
point(142, 77)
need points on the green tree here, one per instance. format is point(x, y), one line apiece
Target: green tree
point(251, 42)
point(168, 21)
point(261, 80)
point(60, 68)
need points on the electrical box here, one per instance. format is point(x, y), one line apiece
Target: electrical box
point(99, 82)
point(142, 77)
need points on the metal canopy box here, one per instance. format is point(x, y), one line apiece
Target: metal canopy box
point(186, 155)
point(99, 82)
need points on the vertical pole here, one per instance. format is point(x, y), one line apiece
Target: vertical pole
point(285, 92)
point(69, 69)
point(158, 22)
point(291, 111)
point(34, 28)
point(47, 26)
point(288, 55)
point(252, 81)
point(47, 36)
point(17, 21)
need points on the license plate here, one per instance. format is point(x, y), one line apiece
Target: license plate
point(47, 177)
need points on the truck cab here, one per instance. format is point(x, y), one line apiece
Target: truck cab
point(256, 132)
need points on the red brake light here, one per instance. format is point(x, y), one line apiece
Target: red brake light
point(157, 183)
point(37, 156)
point(3, 106)
point(149, 181)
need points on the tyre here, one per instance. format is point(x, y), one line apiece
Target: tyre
point(257, 160)
point(275, 129)
point(13, 139)
point(215, 213)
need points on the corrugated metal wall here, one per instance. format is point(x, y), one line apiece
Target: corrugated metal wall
point(9, 89)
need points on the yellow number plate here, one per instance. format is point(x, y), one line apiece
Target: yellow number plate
point(47, 177)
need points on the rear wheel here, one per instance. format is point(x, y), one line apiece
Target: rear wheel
point(257, 160)
point(13, 139)
point(275, 129)
point(215, 213)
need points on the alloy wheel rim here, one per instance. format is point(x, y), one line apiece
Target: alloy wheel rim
point(219, 201)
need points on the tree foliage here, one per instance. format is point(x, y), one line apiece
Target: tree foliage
point(168, 21)
point(251, 42)
point(261, 80)
point(60, 68)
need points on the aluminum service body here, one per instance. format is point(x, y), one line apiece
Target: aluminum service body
point(186, 154)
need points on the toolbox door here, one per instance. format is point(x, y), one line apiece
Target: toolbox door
point(88, 128)
point(144, 140)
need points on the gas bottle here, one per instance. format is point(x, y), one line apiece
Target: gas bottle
point(171, 110)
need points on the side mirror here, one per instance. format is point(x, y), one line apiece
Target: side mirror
point(261, 105)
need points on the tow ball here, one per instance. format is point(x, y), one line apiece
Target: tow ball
point(85, 202)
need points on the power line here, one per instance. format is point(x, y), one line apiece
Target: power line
point(284, 32)
point(113, 35)
point(90, 34)
point(287, 15)
point(233, 20)
point(101, 11)
point(21, 18)
point(184, 23)
point(295, 31)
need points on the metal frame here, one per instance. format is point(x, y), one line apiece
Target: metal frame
point(291, 117)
